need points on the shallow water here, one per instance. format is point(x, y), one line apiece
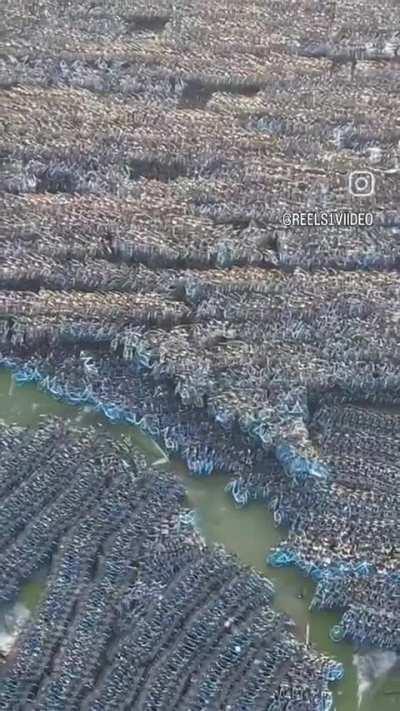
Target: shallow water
point(374, 680)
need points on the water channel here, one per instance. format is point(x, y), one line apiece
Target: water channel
point(371, 680)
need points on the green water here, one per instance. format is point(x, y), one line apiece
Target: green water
point(248, 532)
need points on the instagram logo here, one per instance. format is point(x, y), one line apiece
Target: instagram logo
point(361, 183)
